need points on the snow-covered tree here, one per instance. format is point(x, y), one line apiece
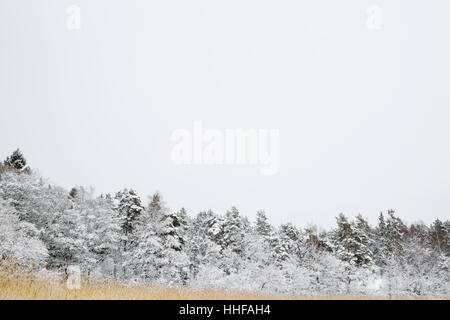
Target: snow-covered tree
point(344, 243)
point(201, 242)
point(144, 260)
point(16, 161)
point(439, 236)
point(129, 207)
point(362, 233)
point(263, 227)
point(87, 234)
point(158, 252)
point(233, 229)
point(351, 242)
point(390, 237)
point(19, 239)
point(395, 231)
point(286, 244)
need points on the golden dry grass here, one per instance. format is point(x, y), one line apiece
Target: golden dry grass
point(16, 285)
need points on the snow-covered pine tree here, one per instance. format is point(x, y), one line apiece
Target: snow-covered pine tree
point(344, 243)
point(182, 219)
point(395, 229)
point(352, 242)
point(144, 260)
point(158, 251)
point(229, 232)
point(129, 207)
point(73, 193)
point(286, 244)
point(439, 236)
point(263, 227)
point(233, 231)
point(162, 220)
point(362, 233)
point(213, 225)
point(180, 225)
point(419, 232)
point(17, 161)
point(106, 235)
point(389, 251)
point(202, 242)
point(381, 243)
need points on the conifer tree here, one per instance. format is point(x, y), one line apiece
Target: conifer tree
point(381, 246)
point(201, 246)
point(129, 208)
point(73, 193)
point(395, 230)
point(233, 231)
point(343, 240)
point(263, 228)
point(352, 242)
point(158, 252)
point(288, 244)
point(439, 234)
point(363, 254)
point(16, 161)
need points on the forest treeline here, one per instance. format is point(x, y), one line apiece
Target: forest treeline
point(122, 237)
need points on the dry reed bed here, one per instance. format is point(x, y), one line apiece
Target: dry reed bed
point(22, 284)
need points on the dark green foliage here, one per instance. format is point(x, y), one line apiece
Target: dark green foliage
point(16, 161)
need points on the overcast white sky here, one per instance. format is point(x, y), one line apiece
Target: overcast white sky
point(363, 114)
